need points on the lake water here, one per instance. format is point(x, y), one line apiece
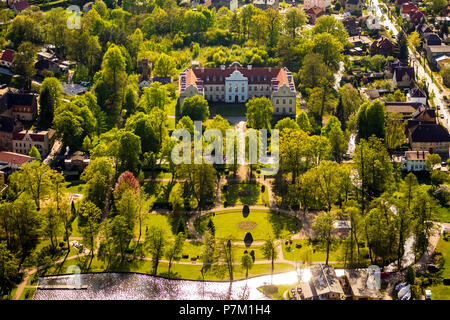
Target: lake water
point(130, 286)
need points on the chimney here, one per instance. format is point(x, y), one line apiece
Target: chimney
point(249, 67)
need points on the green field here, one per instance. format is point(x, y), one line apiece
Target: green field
point(260, 223)
point(444, 248)
point(228, 109)
point(291, 252)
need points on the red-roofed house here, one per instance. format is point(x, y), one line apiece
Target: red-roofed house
point(24, 140)
point(20, 5)
point(407, 8)
point(314, 13)
point(238, 84)
point(7, 58)
point(416, 17)
point(14, 160)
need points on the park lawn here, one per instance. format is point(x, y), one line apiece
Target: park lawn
point(318, 254)
point(78, 188)
point(444, 248)
point(75, 230)
point(27, 294)
point(260, 223)
point(228, 109)
point(154, 219)
point(440, 292)
point(275, 292)
point(239, 194)
point(442, 214)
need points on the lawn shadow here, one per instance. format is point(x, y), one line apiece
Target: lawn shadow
point(284, 223)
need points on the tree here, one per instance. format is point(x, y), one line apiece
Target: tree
point(313, 70)
point(303, 121)
point(323, 227)
point(410, 276)
point(69, 129)
point(401, 46)
point(34, 152)
point(49, 100)
point(321, 101)
point(89, 224)
point(175, 250)
point(373, 166)
point(164, 66)
point(338, 143)
point(350, 101)
point(24, 63)
point(414, 38)
point(114, 74)
point(9, 267)
point(208, 254)
point(329, 47)
point(327, 181)
point(294, 18)
point(247, 263)
point(438, 5)
point(270, 251)
point(395, 131)
point(371, 120)
point(196, 108)
point(329, 24)
point(432, 160)
point(155, 241)
point(292, 153)
point(201, 181)
point(259, 113)
point(98, 176)
point(33, 178)
point(286, 123)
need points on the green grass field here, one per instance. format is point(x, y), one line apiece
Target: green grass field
point(444, 248)
point(227, 109)
point(291, 252)
point(260, 223)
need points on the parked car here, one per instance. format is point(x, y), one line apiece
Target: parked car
point(442, 116)
point(443, 164)
point(438, 107)
point(385, 274)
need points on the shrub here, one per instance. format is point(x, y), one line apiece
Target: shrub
point(245, 211)
point(410, 275)
point(248, 239)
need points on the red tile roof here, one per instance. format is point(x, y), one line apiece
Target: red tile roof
point(34, 136)
point(215, 76)
point(408, 7)
point(14, 158)
point(8, 55)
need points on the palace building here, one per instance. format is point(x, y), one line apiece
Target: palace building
point(238, 84)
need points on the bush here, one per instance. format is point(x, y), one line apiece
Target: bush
point(245, 211)
point(248, 239)
point(263, 188)
point(410, 275)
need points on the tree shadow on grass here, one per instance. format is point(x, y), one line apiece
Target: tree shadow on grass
point(245, 193)
point(283, 223)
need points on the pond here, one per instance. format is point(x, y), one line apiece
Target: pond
point(134, 286)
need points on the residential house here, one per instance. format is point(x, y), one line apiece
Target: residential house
point(414, 161)
point(423, 28)
point(13, 161)
point(431, 39)
point(145, 80)
point(20, 5)
point(265, 4)
point(416, 95)
point(407, 109)
point(229, 4)
point(381, 46)
point(353, 6)
point(403, 76)
point(77, 162)
point(406, 8)
point(308, 4)
point(8, 126)
point(361, 283)
point(423, 114)
point(372, 94)
point(416, 17)
point(352, 25)
point(19, 105)
point(431, 137)
point(314, 13)
point(324, 283)
point(238, 84)
point(434, 52)
point(24, 140)
point(7, 58)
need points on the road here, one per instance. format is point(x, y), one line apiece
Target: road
point(420, 71)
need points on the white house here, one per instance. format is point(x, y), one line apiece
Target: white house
point(414, 161)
